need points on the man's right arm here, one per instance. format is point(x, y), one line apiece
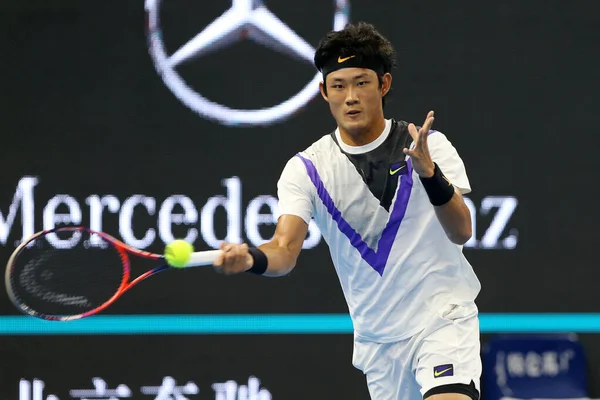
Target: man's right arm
point(295, 192)
point(281, 251)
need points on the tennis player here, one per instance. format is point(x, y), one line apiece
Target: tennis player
point(387, 197)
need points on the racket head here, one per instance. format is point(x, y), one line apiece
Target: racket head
point(70, 272)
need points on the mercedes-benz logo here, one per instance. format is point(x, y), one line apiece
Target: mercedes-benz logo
point(245, 19)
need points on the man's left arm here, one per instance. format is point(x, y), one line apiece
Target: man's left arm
point(455, 217)
point(443, 175)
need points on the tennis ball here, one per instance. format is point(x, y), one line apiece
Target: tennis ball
point(178, 252)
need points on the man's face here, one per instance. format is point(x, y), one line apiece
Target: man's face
point(354, 97)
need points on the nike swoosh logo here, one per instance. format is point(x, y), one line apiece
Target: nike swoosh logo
point(438, 373)
point(393, 172)
point(341, 60)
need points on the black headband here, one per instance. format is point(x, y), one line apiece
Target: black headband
point(352, 61)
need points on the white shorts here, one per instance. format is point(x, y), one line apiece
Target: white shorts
point(446, 352)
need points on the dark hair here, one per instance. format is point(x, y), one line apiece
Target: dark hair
point(361, 39)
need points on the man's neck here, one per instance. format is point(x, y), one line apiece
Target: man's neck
point(365, 136)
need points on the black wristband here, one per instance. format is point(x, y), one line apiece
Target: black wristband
point(261, 262)
point(438, 188)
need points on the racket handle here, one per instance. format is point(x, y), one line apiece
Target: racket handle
point(203, 258)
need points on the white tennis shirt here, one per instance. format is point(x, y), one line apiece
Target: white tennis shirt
point(395, 267)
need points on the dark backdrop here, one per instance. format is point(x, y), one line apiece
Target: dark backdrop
point(85, 115)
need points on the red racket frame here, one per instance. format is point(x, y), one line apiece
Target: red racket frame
point(125, 285)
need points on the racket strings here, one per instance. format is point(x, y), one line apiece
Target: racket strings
point(67, 281)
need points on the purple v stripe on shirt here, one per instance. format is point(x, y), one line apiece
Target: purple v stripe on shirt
point(376, 259)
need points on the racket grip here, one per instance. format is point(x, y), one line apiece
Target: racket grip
point(203, 258)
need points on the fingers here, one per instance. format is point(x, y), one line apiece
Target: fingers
point(419, 134)
point(428, 123)
point(225, 246)
point(412, 131)
point(233, 259)
point(219, 260)
point(424, 132)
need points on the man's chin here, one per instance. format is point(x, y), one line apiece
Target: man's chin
point(354, 127)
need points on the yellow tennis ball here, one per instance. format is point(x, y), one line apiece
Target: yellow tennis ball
point(178, 252)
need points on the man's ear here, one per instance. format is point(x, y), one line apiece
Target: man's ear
point(386, 83)
point(323, 91)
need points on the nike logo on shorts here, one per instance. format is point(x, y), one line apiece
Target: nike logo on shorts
point(443, 370)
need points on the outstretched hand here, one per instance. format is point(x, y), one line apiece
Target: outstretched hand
point(419, 155)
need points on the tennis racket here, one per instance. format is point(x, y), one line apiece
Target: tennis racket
point(50, 280)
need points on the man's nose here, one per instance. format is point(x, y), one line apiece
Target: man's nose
point(351, 96)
